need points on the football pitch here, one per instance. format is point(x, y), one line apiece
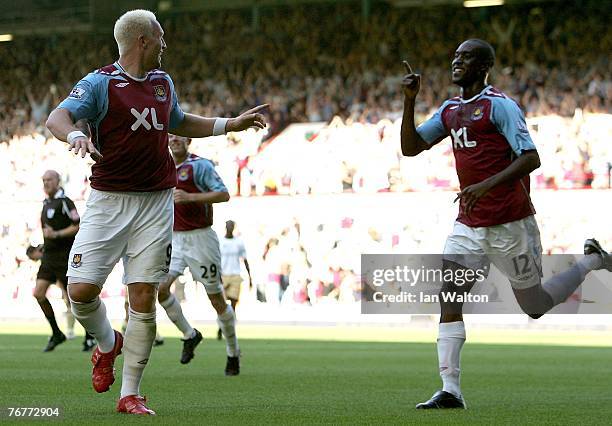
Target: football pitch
point(302, 375)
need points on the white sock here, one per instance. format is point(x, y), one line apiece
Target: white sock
point(227, 324)
point(69, 321)
point(92, 316)
point(137, 344)
point(562, 285)
point(175, 313)
point(451, 337)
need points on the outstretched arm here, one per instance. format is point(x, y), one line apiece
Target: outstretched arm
point(412, 143)
point(195, 126)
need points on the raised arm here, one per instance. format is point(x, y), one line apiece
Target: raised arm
point(412, 143)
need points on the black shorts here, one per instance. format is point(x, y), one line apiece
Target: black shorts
point(53, 271)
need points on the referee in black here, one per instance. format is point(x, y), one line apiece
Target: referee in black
point(60, 223)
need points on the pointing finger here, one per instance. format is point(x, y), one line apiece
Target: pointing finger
point(408, 67)
point(256, 109)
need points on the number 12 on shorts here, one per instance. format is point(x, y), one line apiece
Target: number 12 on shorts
point(523, 260)
point(212, 269)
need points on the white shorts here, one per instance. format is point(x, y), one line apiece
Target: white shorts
point(135, 226)
point(514, 248)
point(199, 250)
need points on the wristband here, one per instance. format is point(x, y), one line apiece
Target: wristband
point(219, 127)
point(73, 135)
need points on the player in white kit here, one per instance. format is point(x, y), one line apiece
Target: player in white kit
point(232, 252)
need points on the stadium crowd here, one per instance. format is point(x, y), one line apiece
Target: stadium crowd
point(552, 60)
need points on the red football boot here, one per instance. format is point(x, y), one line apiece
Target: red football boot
point(134, 404)
point(103, 374)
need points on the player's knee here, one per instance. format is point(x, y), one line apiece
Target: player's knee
point(163, 293)
point(531, 307)
point(142, 297)
point(532, 310)
point(83, 293)
point(218, 302)
point(40, 295)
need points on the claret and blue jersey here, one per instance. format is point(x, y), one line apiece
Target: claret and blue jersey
point(130, 119)
point(196, 174)
point(488, 132)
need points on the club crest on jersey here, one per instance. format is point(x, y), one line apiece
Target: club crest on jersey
point(76, 260)
point(160, 93)
point(77, 93)
point(183, 175)
point(477, 114)
point(50, 213)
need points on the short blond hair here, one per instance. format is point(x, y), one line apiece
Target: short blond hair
point(132, 25)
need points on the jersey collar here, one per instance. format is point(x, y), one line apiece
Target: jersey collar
point(119, 67)
point(190, 157)
point(58, 194)
point(473, 98)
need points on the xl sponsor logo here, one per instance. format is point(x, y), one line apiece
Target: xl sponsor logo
point(460, 139)
point(141, 119)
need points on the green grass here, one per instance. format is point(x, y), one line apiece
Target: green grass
point(319, 382)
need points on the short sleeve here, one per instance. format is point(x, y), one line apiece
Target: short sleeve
point(241, 249)
point(433, 131)
point(207, 178)
point(510, 121)
point(176, 113)
point(73, 212)
point(70, 203)
point(83, 102)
